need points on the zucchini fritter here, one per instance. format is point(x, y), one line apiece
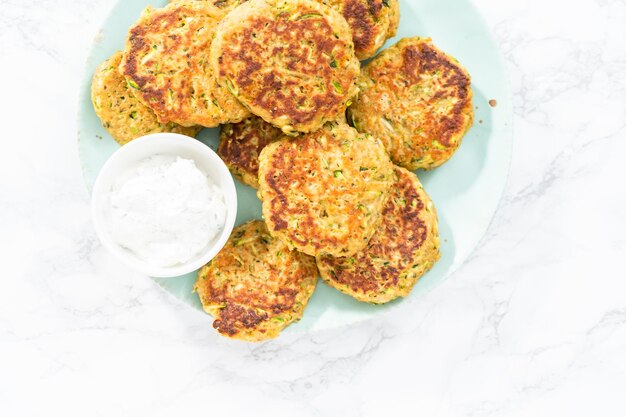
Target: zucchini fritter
point(121, 113)
point(372, 22)
point(291, 62)
point(255, 286)
point(404, 247)
point(240, 146)
point(417, 100)
point(324, 192)
point(166, 62)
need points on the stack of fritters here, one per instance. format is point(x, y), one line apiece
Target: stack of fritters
point(279, 76)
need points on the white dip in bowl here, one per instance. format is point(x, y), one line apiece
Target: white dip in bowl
point(164, 204)
point(165, 210)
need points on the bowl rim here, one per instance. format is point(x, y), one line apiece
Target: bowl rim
point(144, 147)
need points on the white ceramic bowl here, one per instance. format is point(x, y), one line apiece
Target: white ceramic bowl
point(169, 144)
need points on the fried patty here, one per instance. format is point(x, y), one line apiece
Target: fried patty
point(121, 113)
point(404, 247)
point(417, 100)
point(255, 286)
point(291, 62)
point(324, 192)
point(372, 22)
point(166, 63)
point(240, 146)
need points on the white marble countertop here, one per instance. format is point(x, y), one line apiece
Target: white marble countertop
point(534, 324)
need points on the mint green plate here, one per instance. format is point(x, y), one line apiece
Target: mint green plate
point(466, 190)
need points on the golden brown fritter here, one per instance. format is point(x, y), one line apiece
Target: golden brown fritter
point(166, 63)
point(240, 146)
point(291, 62)
point(323, 193)
point(372, 22)
point(417, 100)
point(404, 247)
point(121, 114)
point(255, 286)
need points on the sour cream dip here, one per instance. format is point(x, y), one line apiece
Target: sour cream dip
point(165, 210)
